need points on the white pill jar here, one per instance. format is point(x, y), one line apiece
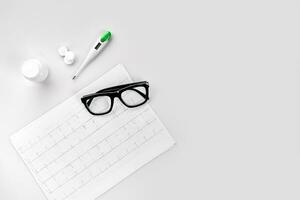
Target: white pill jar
point(34, 70)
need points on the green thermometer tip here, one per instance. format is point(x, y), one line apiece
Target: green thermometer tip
point(105, 36)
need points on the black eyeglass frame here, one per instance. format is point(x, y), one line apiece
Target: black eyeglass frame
point(116, 92)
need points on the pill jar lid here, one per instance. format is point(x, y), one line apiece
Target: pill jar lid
point(31, 68)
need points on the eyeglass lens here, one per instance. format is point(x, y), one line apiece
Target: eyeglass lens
point(99, 104)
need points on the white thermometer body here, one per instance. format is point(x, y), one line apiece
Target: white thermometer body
point(97, 47)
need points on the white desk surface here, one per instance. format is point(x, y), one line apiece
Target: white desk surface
point(231, 70)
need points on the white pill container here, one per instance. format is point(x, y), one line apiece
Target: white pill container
point(34, 70)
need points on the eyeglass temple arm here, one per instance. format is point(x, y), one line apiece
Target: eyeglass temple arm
point(111, 89)
point(114, 88)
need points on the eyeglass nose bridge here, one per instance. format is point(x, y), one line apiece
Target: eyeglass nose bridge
point(117, 95)
point(116, 99)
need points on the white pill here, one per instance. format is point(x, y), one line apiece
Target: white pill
point(62, 50)
point(69, 58)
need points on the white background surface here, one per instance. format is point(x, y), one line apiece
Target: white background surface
point(224, 77)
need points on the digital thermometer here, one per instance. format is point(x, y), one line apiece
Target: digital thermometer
point(98, 46)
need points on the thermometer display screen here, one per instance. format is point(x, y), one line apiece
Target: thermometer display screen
point(97, 46)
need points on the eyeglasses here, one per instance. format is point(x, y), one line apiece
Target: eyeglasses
point(131, 95)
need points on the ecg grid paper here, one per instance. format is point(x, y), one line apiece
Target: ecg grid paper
point(75, 155)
